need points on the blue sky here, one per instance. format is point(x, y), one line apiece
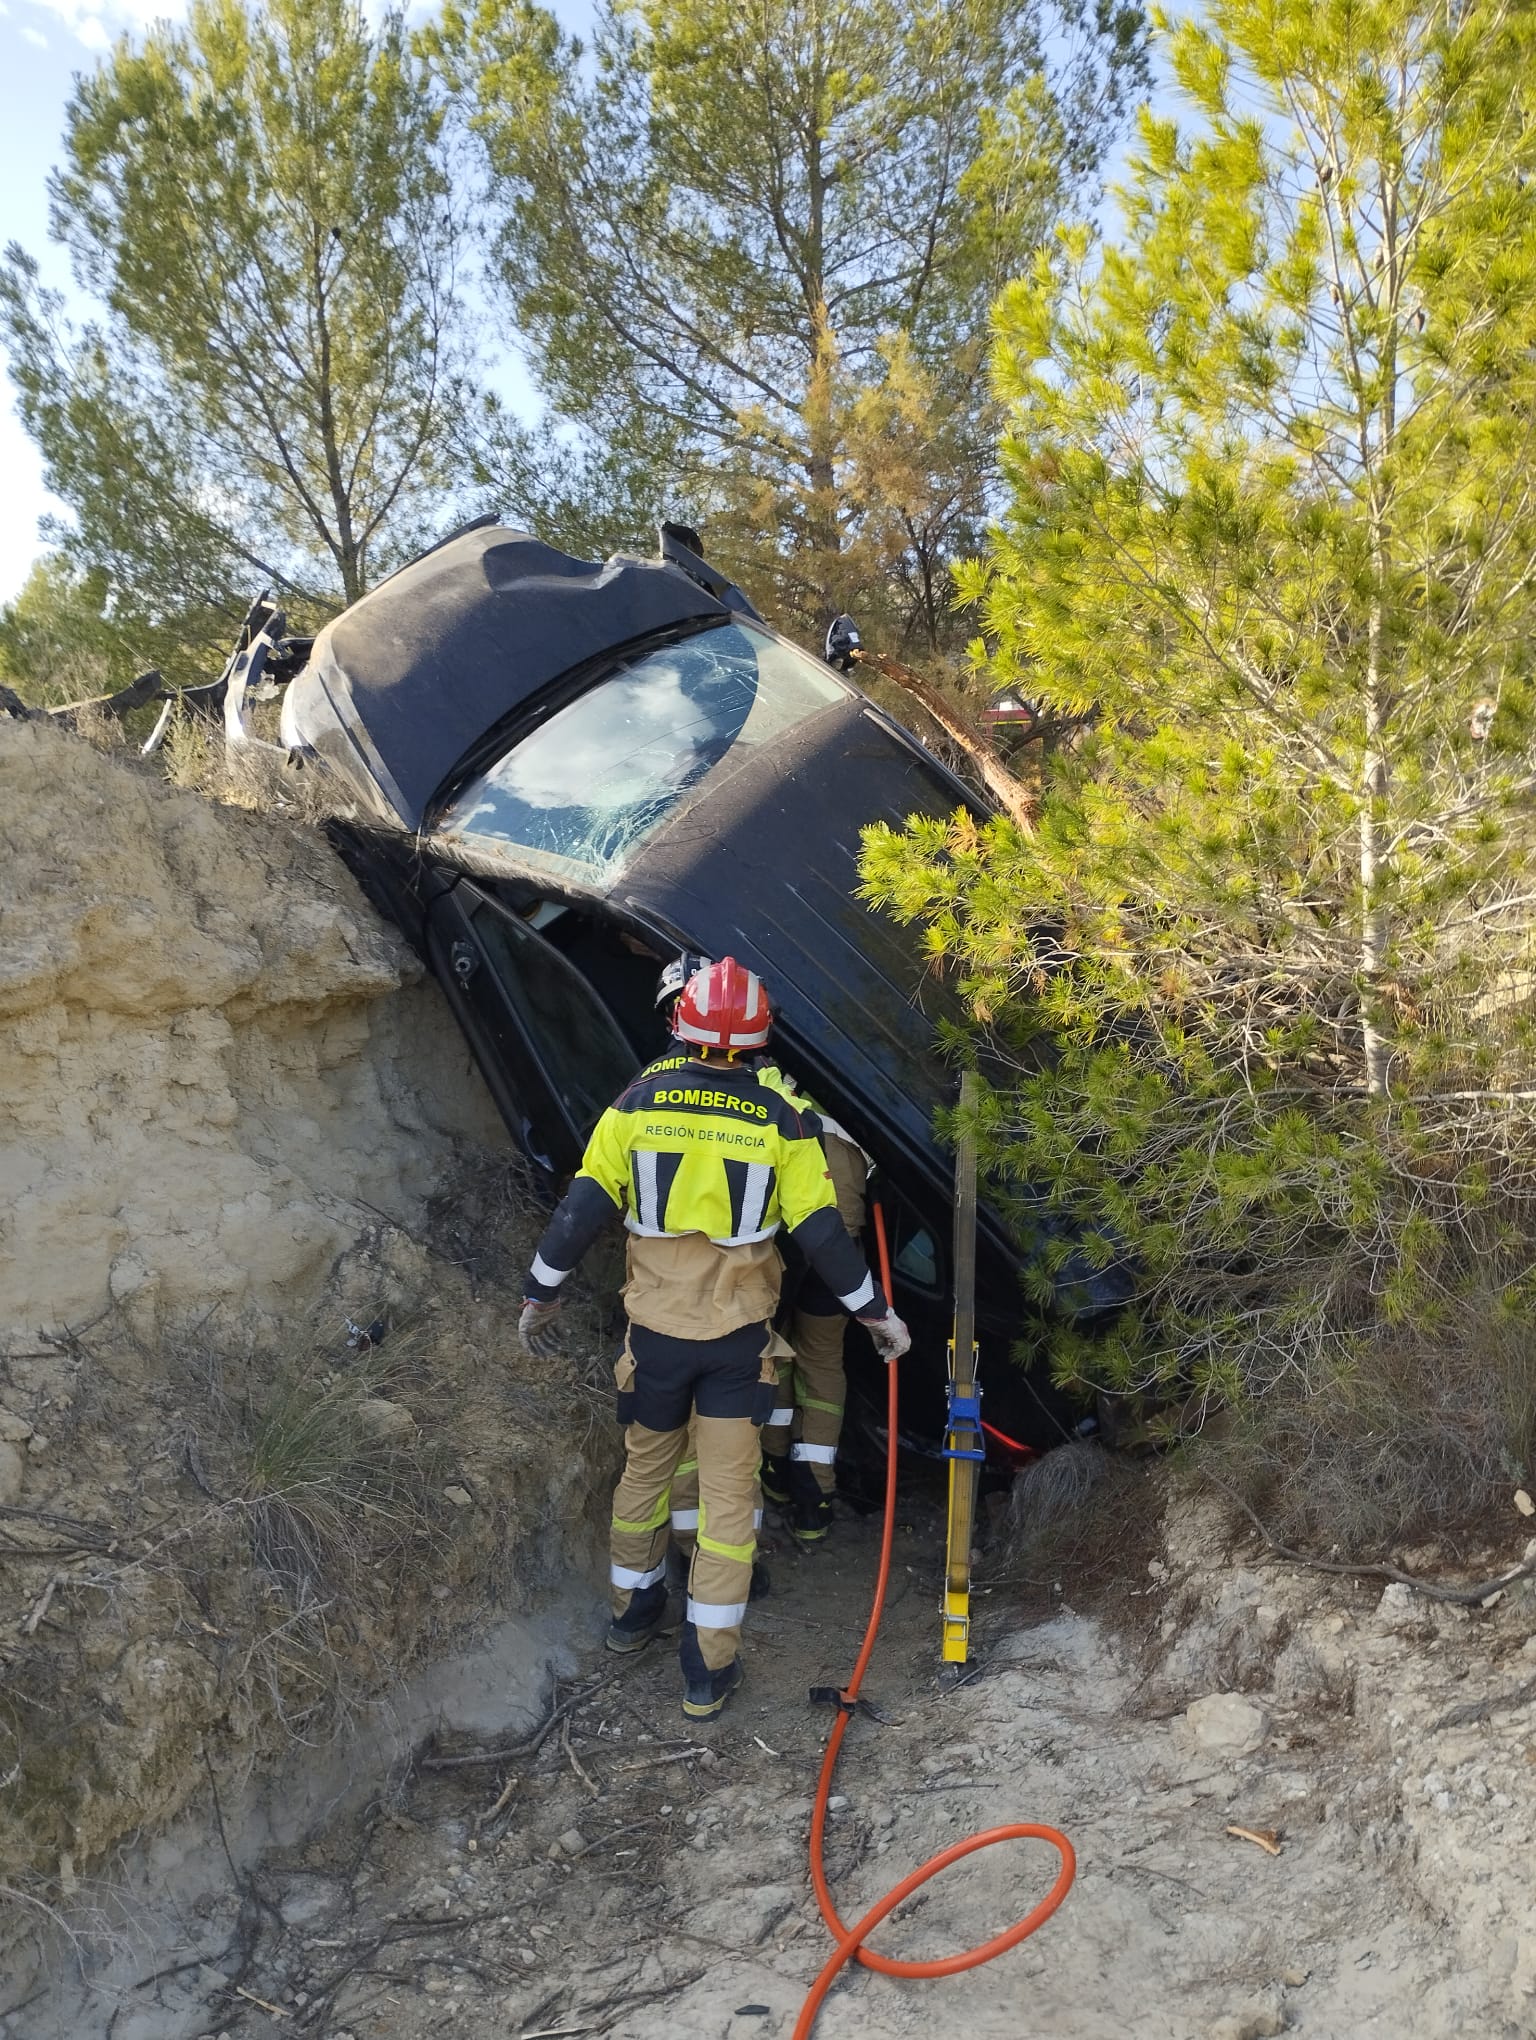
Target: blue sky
point(43, 44)
point(41, 47)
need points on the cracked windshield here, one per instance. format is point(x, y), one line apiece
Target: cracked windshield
point(601, 775)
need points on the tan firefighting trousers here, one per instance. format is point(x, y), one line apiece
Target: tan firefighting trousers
point(806, 1423)
point(728, 1510)
point(809, 1420)
point(685, 1495)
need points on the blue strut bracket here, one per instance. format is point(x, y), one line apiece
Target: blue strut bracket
point(964, 1417)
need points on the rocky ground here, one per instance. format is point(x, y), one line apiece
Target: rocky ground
point(632, 1876)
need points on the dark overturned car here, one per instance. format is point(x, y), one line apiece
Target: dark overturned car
point(565, 773)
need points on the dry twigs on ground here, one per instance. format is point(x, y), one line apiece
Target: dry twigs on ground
point(1267, 1839)
point(531, 1744)
point(1479, 1710)
point(575, 1761)
point(1459, 1597)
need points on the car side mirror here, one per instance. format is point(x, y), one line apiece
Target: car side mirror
point(843, 643)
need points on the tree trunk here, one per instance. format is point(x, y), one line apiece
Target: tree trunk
point(344, 544)
point(1374, 917)
point(822, 527)
point(1011, 794)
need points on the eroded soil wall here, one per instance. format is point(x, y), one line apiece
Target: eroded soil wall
point(217, 1065)
point(234, 1116)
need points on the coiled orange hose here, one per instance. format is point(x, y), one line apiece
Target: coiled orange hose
point(850, 1940)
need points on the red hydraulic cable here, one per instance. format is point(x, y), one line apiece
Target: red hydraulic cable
point(1009, 1444)
point(850, 1940)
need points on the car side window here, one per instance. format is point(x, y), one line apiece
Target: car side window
point(584, 1054)
point(916, 1257)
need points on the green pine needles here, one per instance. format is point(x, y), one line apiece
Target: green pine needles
point(1265, 977)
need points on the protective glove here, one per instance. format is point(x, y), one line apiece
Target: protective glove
point(536, 1327)
point(890, 1335)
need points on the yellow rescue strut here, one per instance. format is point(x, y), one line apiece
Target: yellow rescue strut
point(964, 1441)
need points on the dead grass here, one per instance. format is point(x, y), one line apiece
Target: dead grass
point(1421, 1436)
point(195, 757)
point(187, 752)
point(265, 782)
point(240, 1537)
point(337, 1475)
point(1055, 1491)
point(1078, 1523)
point(102, 730)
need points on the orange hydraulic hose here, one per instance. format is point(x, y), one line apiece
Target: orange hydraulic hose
point(850, 1940)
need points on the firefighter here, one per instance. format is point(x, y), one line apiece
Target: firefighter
point(685, 1482)
point(801, 1438)
point(707, 1163)
point(801, 1435)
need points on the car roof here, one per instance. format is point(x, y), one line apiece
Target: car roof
point(424, 666)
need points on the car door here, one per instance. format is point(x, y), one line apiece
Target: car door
point(553, 1055)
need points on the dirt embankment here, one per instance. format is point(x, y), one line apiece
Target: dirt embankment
point(217, 1066)
point(234, 1116)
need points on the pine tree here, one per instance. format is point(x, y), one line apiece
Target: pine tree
point(741, 235)
point(258, 201)
point(57, 643)
point(1272, 514)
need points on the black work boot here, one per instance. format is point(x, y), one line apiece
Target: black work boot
point(640, 1621)
point(775, 1478)
point(810, 1511)
point(705, 1692)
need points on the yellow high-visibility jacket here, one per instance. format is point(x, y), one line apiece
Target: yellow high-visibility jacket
point(707, 1148)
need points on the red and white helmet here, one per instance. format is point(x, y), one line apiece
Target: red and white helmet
point(724, 1005)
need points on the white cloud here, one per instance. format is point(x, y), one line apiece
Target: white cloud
point(96, 23)
point(34, 36)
